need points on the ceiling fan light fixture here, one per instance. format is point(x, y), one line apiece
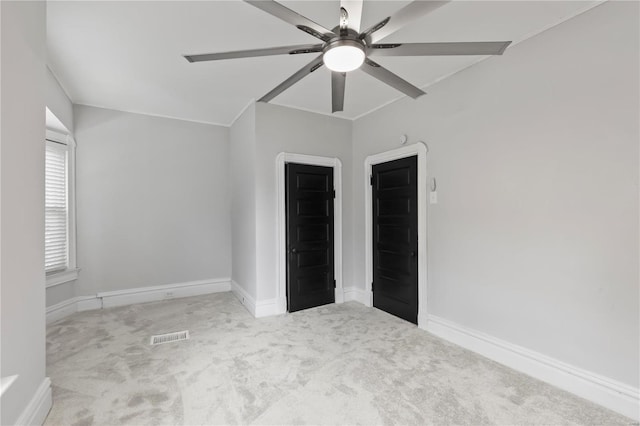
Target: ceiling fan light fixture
point(344, 55)
point(344, 48)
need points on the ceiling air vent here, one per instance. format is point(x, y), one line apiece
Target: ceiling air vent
point(169, 337)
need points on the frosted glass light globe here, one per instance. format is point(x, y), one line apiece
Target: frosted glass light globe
point(343, 58)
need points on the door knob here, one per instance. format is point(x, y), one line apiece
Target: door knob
point(294, 250)
point(413, 254)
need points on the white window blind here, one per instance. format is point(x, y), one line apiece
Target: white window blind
point(56, 208)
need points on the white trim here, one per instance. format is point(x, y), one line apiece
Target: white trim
point(62, 277)
point(38, 407)
point(135, 295)
point(71, 306)
point(56, 135)
point(71, 197)
point(420, 151)
point(259, 309)
point(356, 294)
point(609, 393)
point(247, 301)
point(62, 310)
point(87, 303)
point(281, 258)
point(267, 308)
point(163, 292)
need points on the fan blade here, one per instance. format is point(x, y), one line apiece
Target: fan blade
point(438, 49)
point(338, 80)
point(393, 23)
point(299, 75)
point(386, 76)
point(302, 23)
point(354, 13)
point(283, 50)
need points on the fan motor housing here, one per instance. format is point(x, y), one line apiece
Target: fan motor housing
point(344, 41)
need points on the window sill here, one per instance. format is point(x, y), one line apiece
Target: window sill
point(62, 277)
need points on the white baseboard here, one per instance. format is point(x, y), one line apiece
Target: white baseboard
point(261, 308)
point(136, 295)
point(281, 307)
point(604, 391)
point(61, 310)
point(267, 308)
point(355, 293)
point(163, 292)
point(71, 306)
point(247, 301)
point(88, 303)
point(38, 407)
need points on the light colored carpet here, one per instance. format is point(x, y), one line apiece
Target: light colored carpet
point(337, 364)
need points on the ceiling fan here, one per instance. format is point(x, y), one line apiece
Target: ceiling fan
point(345, 48)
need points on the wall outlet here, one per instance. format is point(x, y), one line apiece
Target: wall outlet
point(168, 295)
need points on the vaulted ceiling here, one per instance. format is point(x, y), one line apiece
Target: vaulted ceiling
point(127, 55)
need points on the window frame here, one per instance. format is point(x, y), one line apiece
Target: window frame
point(71, 272)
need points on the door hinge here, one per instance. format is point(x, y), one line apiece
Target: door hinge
point(334, 193)
point(372, 180)
point(372, 286)
point(334, 283)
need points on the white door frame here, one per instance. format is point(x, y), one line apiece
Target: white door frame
point(281, 255)
point(420, 151)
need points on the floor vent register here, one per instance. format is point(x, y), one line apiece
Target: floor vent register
point(170, 337)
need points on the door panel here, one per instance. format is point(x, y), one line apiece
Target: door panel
point(313, 233)
point(395, 237)
point(310, 254)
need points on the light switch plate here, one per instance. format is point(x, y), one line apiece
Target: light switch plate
point(433, 197)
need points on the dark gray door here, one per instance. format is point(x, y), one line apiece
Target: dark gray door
point(395, 237)
point(310, 254)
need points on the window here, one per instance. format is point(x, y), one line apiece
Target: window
point(59, 247)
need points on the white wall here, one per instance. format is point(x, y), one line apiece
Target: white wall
point(152, 200)
point(281, 129)
point(535, 236)
point(242, 177)
point(60, 293)
point(58, 102)
point(22, 313)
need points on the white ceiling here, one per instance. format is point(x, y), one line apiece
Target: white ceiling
point(128, 55)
